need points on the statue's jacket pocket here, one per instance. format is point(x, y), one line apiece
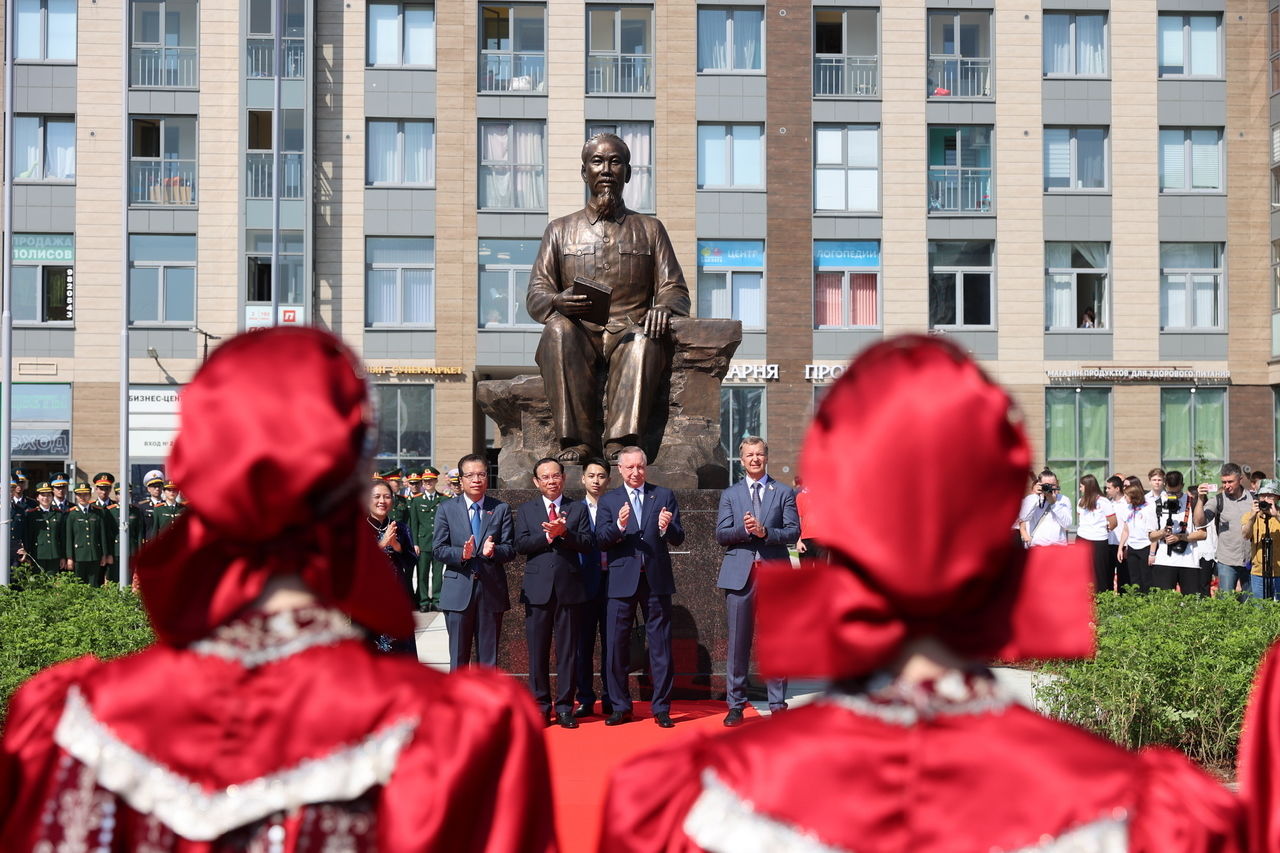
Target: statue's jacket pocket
point(579, 259)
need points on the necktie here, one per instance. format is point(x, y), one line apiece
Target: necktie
point(755, 500)
point(475, 523)
point(635, 505)
point(551, 512)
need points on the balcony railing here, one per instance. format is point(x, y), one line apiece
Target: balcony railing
point(162, 182)
point(513, 72)
point(953, 189)
point(612, 74)
point(846, 76)
point(258, 174)
point(952, 77)
point(163, 67)
point(261, 56)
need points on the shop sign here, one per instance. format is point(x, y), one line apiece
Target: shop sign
point(823, 372)
point(44, 248)
point(153, 420)
point(259, 316)
point(846, 254)
point(42, 403)
point(411, 370)
point(1139, 374)
point(40, 442)
point(757, 372)
point(735, 254)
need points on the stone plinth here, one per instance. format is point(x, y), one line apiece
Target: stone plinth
point(682, 438)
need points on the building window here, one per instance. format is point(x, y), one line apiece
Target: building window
point(1191, 286)
point(1275, 299)
point(1076, 277)
point(742, 413)
point(405, 426)
point(959, 55)
point(45, 30)
point(638, 135)
point(1193, 431)
point(620, 50)
point(846, 60)
point(731, 281)
point(960, 169)
point(162, 279)
point(260, 58)
point(291, 279)
point(1075, 44)
point(1275, 167)
point(513, 158)
point(258, 160)
point(1275, 50)
point(513, 48)
point(846, 167)
point(400, 281)
point(730, 39)
point(1275, 457)
point(163, 44)
point(43, 278)
point(1190, 46)
point(401, 153)
point(44, 148)
point(504, 281)
point(402, 34)
point(162, 161)
point(730, 156)
point(846, 284)
point(1075, 158)
point(1077, 435)
point(1190, 159)
point(961, 284)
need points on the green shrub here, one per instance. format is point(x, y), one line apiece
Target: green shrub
point(45, 619)
point(1171, 669)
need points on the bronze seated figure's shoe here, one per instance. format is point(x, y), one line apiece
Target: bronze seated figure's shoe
point(575, 454)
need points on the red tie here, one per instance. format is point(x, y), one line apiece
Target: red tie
point(551, 512)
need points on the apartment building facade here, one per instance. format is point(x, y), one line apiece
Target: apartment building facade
point(1073, 190)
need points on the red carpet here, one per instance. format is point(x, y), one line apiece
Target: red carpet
point(582, 758)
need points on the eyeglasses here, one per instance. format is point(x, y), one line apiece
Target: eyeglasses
point(475, 475)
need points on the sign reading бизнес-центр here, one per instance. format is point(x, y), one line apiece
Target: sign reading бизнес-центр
point(153, 420)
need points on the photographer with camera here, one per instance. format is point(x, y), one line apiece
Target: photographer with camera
point(1261, 528)
point(1174, 560)
point(1222, 509)
point(1045, 514)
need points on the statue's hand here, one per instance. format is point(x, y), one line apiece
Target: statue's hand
point(571, 304)
point(656, 322)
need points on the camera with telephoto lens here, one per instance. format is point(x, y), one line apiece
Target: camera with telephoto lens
point(1264, 506)
point(1171, 506)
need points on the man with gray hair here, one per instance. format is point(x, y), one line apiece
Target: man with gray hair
point(632, 254)
point(1224, 510)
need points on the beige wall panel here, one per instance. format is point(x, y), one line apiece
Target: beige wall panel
point(676, 130)
point(904, 136)
point(1135, 240)
point(1019, 195)
point(95, 427)
point(1030, 402)
point(566, 118)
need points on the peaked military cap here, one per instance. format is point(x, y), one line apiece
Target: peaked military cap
point(58, 480)
point(430, 473)
point(170, 486)
point(82, 488)
point(414, 478)
point(103, 479)
point(19, 476)
point(153, 478)
point(43, 488)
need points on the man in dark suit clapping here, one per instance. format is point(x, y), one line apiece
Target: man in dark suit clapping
point(552, 532)
point(756, 522)
point(594, 616)
point(635, 523)
point(473, 538)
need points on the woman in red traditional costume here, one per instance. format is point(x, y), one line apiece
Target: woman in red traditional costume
point(262, 719)
point(916, 748)
point(1260, 756)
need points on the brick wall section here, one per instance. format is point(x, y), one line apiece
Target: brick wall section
point(789, 250)
point(1251, 424)
point(96, 411)
point(675, 129)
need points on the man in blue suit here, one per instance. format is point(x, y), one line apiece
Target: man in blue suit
point(756, 522)
point(635, 523)
point(473, 538)
point(552, 533)
point(593, 617)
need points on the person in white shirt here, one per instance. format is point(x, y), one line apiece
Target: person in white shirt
point(1045, 514)
point(1097, 520)
point(1135, 546)
point(1156, 478)
point(1173, 532)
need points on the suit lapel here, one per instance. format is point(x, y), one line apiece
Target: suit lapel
point(486, 513)
point(649, 507)
point(768, 494)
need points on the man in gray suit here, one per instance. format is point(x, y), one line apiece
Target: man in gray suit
point(756, 523)
point(474, 538)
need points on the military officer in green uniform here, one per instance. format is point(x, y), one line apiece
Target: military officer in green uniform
point(42, 532)
point(102, 485)
point(153, 480)
point(166, 514)
point(86, 540)
point(394, 477)
point(17, 515)
point(422, 525)
point(112, 511)
point(61, 502)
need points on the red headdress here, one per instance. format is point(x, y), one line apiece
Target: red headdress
point(273, 431)
point(940, 564)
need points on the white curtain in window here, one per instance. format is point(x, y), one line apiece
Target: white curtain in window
point(1173, 301)
point(419, 35)
point(712, 155)
point(382, 296)
point(1057, 44)
point(828, 189)
point(638, 193)
point(1206, 170)
point(1062, 301)
point(1171, 43)
point(864, 147)
point(384, 34)
point(418, 302)
point(382, 153)
point(713, 39)
point(1189, 256)
point(1091, 156)
point(749, 298)
point(713, 296)
point(26, 148)
point(1057, 157)
point(495, 180)
point(62, 29)
point(1091, 44)
point(748, 155)
point(1204, 45)
point(1095, 254)
point(747, 24)
point(419, 153)
point(864, 189)
point(1173, 167)
point(60, 145)
point(1204, 294)
point(829, 146)
point(530, 173)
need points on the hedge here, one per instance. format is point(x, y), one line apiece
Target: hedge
point(45, 619)
point(1170, 669)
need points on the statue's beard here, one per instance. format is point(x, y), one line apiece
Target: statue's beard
point(608, 202)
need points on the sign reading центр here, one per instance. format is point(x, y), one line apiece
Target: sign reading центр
point(737, 254)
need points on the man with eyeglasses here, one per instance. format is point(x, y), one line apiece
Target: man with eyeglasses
point(473, 538)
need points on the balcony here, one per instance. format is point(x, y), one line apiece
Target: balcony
point(513, 72)
point(260, 59)
point(612, 74)
point(954, 77)
point(162, 183)
point(258, 175)
point(846, 76)
point(163, 67)
point(953, 189)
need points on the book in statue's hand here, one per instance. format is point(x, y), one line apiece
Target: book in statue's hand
point(600, 295)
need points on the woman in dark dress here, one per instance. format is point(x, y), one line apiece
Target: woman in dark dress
point(393, 538)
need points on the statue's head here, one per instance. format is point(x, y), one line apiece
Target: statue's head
point(606, 166)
